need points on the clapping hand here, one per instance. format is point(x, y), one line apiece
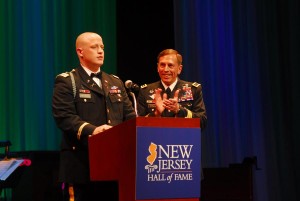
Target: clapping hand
point(162, 102)
point(171, 104)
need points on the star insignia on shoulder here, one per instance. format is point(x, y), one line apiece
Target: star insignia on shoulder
point(65, 74)
point(195, 84)
point(143, 86)
point(115, 76)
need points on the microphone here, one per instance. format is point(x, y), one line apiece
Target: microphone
point(132, 86)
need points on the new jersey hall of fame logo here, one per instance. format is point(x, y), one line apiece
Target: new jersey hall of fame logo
point(169, 163)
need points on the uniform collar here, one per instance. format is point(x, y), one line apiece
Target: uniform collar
point(89, 72)
point(171, 86)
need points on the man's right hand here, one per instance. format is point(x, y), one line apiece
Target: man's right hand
point(159, 102)
point(101, 128)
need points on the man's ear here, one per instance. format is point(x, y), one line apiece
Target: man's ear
point(180, 69)
point(79, 52)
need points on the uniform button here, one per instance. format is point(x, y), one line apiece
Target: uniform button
point(107, 110)
point(109, 121)
point(73, 148)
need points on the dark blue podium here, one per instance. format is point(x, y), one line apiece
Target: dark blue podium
point(151, 158)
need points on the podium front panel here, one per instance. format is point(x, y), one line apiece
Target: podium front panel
point(168, 163)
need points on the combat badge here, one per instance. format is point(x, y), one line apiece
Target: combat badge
point(114, 90)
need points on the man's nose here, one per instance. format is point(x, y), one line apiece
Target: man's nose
point(167, 68)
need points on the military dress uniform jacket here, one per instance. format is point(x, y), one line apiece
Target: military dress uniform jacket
point(190, 100)
point(77, 116)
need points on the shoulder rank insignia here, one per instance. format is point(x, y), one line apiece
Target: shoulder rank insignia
point(143, 86)
point(115, 76)
point(66, 74)
point(195, 84)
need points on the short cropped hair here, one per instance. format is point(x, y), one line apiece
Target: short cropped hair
point(168, 52)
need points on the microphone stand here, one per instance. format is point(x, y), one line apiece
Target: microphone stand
point(134, 102)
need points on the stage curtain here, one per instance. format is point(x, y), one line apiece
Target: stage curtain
point(37, 42)
point(246, 56)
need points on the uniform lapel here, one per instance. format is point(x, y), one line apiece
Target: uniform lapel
point(88, 82)
point(105, 84)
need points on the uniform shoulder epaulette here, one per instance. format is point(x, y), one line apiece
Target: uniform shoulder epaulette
point(115, 76)
point(65, 74)
point(196, 84)
point(143, 86)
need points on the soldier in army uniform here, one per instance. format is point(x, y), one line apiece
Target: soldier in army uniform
point(86, 101)
point(171, 97)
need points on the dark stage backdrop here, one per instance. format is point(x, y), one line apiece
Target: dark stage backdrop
point(244, 53)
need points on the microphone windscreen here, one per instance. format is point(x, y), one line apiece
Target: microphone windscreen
point(128, 84)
